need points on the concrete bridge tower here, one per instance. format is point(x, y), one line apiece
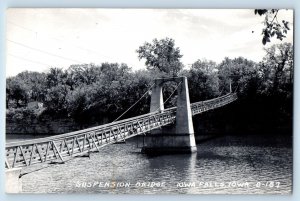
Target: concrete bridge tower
point(174, 138)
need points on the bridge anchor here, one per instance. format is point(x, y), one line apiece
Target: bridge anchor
point(178, 137)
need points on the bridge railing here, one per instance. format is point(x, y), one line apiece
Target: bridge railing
point(63, 147)
point(203, 106)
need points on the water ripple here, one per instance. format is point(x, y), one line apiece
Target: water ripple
point(231, 161)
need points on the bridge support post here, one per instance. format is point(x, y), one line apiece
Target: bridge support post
point(178, 137)
point(13, 182)
point(157, 102)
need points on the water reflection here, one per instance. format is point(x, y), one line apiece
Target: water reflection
point(220, 166)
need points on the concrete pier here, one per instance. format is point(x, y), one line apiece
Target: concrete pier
point(13, 182)
point(177, 137)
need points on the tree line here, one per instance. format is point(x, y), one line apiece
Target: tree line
point(98, 93)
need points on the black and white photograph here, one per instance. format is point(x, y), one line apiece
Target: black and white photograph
point(149, 101)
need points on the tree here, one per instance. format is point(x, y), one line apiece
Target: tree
point(55, 77)
point(272, 26)
point(17, 92)
point(35, 82)
point(242, 74)
point(57, 91)
point(161, 55)
point(203, 80)
point(56, 99)
point(82, 74)
point(277, 68)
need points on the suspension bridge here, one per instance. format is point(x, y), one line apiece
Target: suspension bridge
point(166, 131)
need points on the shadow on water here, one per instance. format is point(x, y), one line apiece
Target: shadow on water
point(219, 158)
point(207, 138)
point(173, 169)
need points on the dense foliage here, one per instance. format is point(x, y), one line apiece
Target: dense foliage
point(95, 94)
point(161, 55)
point(272, 27)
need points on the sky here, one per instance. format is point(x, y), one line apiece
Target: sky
point(37, 39)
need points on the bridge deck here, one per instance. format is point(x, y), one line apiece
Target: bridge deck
point(61, 148)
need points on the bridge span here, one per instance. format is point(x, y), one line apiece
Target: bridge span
point(61, 148)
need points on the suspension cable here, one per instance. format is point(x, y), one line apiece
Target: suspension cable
point(221, 92)
point(135, 102)
point(236, 88)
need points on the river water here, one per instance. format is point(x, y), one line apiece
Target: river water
point(224, 165)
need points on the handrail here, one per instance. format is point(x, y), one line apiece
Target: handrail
point(110, 125)
point(66, 146)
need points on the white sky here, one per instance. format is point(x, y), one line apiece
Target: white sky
point(41, 38)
